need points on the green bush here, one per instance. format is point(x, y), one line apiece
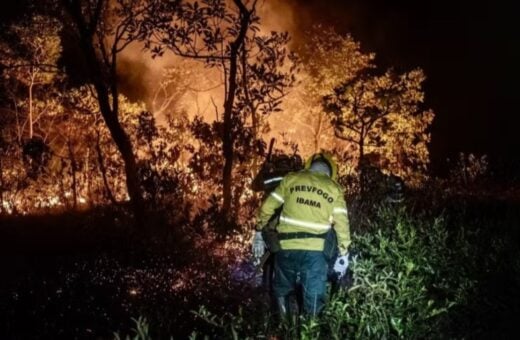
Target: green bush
point(410, 273)
point(140, 332)
point(402, 281)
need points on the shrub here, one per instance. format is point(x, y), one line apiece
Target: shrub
point(409, 275)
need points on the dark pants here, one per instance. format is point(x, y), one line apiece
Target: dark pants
point(305, 268)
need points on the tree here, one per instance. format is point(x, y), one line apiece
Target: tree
point(85, 143)
point(226, 37)
point(366, 110)
point(382, 114)
point(267, 72)
point(104, 29)
point(168, 93)
point(29, 55)
point(327, 59)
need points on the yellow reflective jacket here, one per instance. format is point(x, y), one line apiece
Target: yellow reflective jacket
point(312, 203)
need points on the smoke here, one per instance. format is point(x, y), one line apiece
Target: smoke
point(276, 15)
point(202, 87)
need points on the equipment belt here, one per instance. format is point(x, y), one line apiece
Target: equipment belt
point(290, 236)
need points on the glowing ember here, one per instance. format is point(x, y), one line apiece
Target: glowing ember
point(178, 285)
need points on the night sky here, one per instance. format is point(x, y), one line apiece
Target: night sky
point(467, 51)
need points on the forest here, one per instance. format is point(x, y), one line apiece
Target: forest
point(133, 138)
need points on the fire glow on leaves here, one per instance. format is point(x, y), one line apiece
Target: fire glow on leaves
point(322, 100)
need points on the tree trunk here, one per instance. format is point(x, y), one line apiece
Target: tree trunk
point(63, 190)
point(88, 177)
point(227, 137)
point(110, 115)
point(31, 130)
point(361, 145)
point(255, 121)
point(227, 142)
point(317, 134)
point(73, 175)
point(361, 162)
point(104, 172)
point(125, 148)
point(238, 193)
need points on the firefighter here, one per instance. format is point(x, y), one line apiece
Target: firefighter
point(313, 227)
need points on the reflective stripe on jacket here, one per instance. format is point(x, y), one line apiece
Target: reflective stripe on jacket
point(312, 203)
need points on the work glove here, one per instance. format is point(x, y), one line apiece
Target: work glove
point(258, 248)
point(341, 265)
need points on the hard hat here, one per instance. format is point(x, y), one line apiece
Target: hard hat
point(326, 158)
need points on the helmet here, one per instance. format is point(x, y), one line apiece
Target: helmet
point(324, 157)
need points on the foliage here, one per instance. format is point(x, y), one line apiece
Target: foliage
point(140, 332)
point(381, 114)
point(29, 54)
point(257, 70)
point(327, 59)
point(411, 275)
point(63, 148)
point(30, 51)
point(81, 163)
point(102, 30)
point(343, 102)
point(467, 169)
point(395, 283)
point(416, 276)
